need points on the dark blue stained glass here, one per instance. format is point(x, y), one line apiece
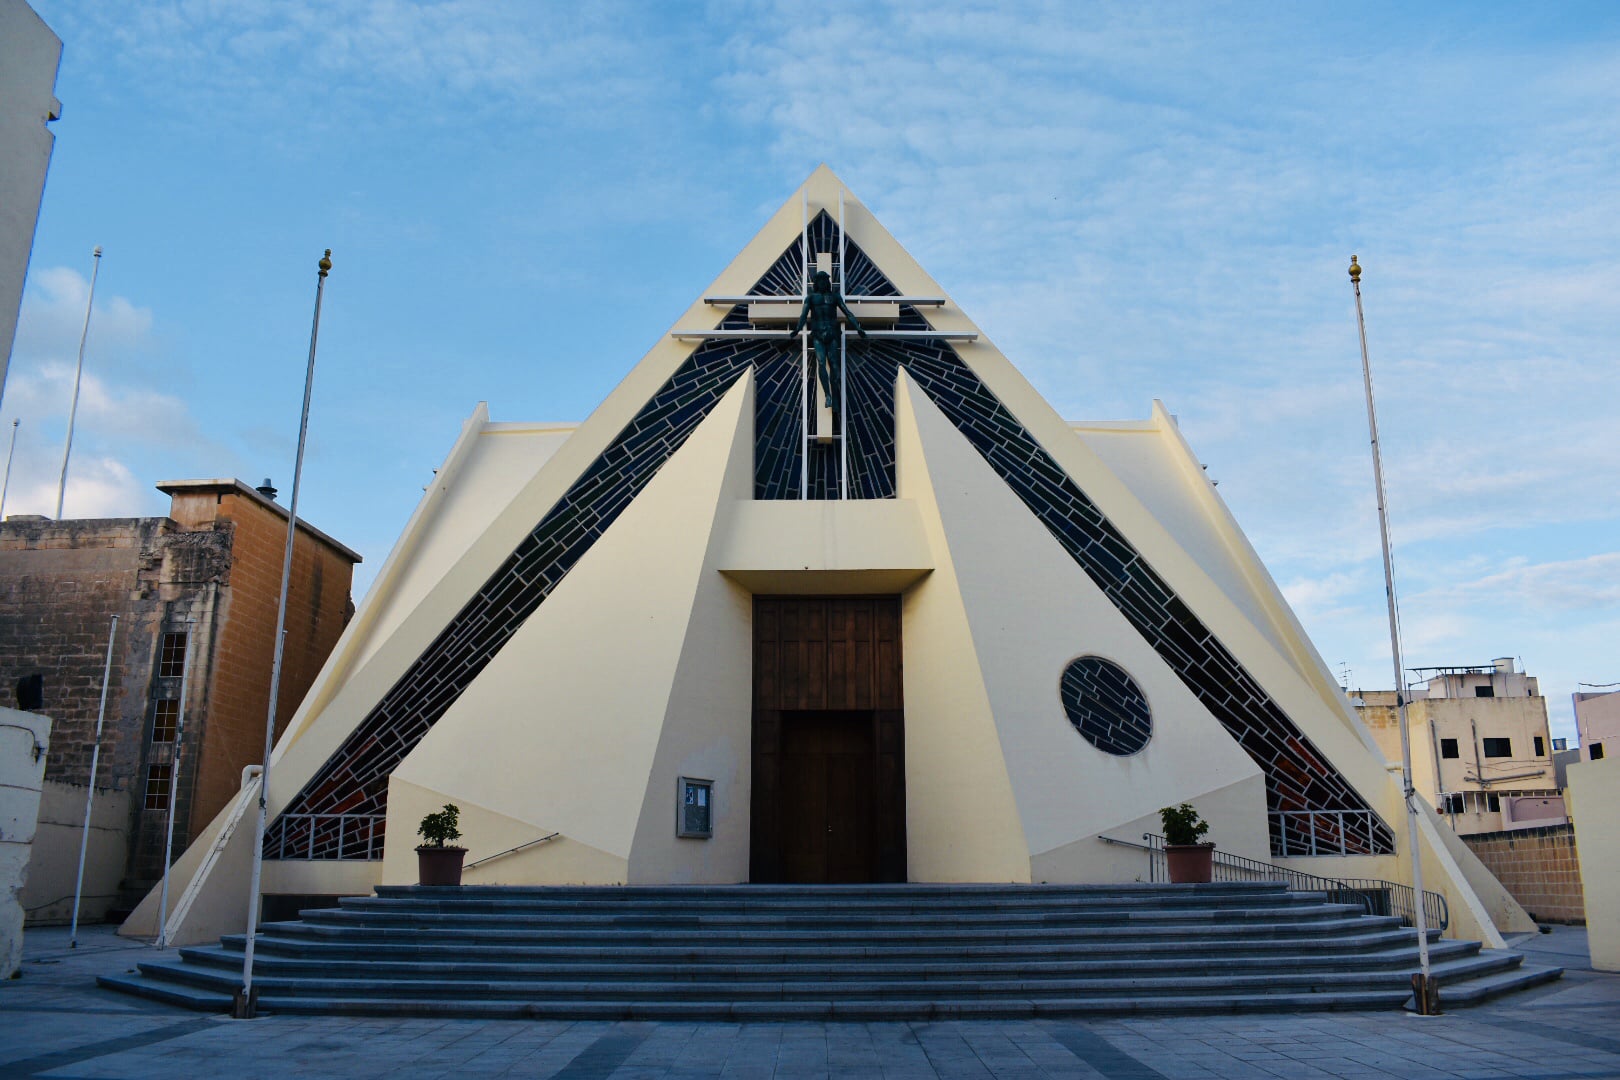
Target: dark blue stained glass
point(1105, 706)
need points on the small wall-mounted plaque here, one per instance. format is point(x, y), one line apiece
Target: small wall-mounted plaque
point(694, 810)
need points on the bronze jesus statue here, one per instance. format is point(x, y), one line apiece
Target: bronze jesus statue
point(821, 308)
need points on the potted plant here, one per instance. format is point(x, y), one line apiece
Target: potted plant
point(1189, 860)
point(437, 862)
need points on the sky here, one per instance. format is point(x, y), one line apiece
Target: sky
point(1132, 201)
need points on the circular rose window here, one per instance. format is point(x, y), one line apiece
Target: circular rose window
point(1106, 706)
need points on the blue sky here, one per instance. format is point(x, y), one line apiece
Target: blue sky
point(1133, 201)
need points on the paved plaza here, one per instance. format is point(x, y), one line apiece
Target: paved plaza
point(55, 1022)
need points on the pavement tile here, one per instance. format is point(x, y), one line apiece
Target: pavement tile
point(55, 1022)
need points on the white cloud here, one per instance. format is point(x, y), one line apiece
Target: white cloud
point(377, 63)
point(97, 487)
point(1573, 585)
point(1323, 596)
point(126, 432)
point(53, 318)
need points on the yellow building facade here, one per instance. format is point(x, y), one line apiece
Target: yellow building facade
point(1481, 748)
point(734, 627)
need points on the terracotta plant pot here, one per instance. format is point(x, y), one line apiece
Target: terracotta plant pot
point(1190, 863)
point(439, 865)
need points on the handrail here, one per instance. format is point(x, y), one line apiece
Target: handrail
point(508, 851)
point(1375, 895)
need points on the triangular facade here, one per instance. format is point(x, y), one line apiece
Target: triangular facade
point(733, 628)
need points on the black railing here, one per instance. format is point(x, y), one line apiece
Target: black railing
point(510, 850)
point(351, 836)
point(1376, 896)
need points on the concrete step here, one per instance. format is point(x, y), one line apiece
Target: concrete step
point(843, 987)
point(638, 937)
point(872, 952)
point(636, 968)
point(836, 1010)
point(1474, 990)
point(832, 920)
point(831, 894)
point(899, 904)
point(171, 992)
point(1210, 944)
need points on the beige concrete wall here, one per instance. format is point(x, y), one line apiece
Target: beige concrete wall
point(1540, 867)
point(1030, 610)
point(1594, 805)
point(24, 740)
point(1597, 721)
point(707, 722)
point(54, 870)
point(578, 701)
point(1524, 775)
point(962, 821)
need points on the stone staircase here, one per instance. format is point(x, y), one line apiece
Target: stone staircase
point(850, 952)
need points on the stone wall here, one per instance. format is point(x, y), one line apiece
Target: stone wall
point(1539, 866)
point(61, 582)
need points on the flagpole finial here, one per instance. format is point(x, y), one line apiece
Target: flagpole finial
point(326, 262)
point(1355, 270)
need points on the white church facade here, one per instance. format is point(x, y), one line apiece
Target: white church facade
point(733, 628)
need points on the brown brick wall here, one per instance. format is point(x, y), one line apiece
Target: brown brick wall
point(1539, 867)
point(213, 569)
point(317, 610)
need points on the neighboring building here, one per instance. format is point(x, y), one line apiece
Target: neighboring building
point(718, 632)
point(1481, 751)
point(1597, 720)
point(1563, 757)
point(29, 55)
point(198, 587)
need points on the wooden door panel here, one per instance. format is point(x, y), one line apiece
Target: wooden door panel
point(814, 770)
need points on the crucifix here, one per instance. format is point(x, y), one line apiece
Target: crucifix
point(821, 307)
point(822, 318)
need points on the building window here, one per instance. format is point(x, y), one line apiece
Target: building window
point(1541, 747)
point(1596, 753)
point(1454, 804)
point(157, 786)
point(165, 720)
point(1493, 802)
point(1448, 748)
point(1498, 747)
point(1484, 691)
point(172, 656)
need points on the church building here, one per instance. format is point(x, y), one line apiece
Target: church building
point(823, 591)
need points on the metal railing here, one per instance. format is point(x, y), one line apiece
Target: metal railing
point(1325, 832)
point(1376, 896)
point(510, 850)
point(345, 836)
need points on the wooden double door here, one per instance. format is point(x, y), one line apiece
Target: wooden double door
point(829, 799)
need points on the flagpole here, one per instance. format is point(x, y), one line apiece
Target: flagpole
point(73, 410)
point(90, 789)
point(1425, 992)
point(5, 485)
point(246, 1000)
